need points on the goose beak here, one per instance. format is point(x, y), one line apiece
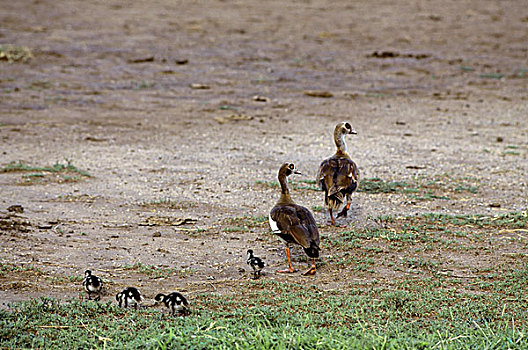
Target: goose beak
point(353, 132)
point(297, 172)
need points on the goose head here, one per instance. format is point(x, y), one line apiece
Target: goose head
point(340, 131)
point(288, 169)
point(345, 128)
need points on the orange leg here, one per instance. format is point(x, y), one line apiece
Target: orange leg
point(344, 212)
point(331, 217)
point(311, 270)
point(290, 267)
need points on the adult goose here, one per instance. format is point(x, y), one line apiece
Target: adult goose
point(92, 284)
point(338, 175)
point(294, 223)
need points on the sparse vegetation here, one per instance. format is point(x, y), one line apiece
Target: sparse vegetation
point(7, 268)
point(57, 172)
point(318, 208)
point(377, 185)
point(11, 53)
point(511, 220)
point(168, 203)
point(155, 271)
point(242, 223)
point(296, 185)
point(440, 187)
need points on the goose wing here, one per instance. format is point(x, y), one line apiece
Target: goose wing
point(337, 176)
point(297, 224)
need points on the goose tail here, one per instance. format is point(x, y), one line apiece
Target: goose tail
point(334, 201)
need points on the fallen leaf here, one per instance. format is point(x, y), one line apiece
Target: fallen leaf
point(141, 60)
point(259, 98)
point(181, 61)
point(317, 93)
point(16, 208)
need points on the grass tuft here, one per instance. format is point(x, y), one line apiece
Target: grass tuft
point(377, 185)
point(157, 272)
point(11, 53)
point(57, 172)
point(296, 185)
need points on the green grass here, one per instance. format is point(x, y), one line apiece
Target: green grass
point(8, 268)
point(168, 203)
point(466, 69)
point(412, 314)
point(492, 75)
point(428, 196)
point(412, 242)
point(510, 153)
point(439, 187)
point(143, 84)
point(377, 185)
point(157, 272)
point(58, 172)
point(296, 185)
point(234, 229)
point(513, 220)
point(55, 168)
point(318, 208)
point(462, 188)
point(34, 175)
point(241, 223)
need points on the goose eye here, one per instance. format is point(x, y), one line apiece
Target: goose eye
point(292, 166)
point(348, 126)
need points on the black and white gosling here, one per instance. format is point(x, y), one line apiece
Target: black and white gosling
point(130, 296)
point(92, 284)
point(256, 263)
point(175, 302)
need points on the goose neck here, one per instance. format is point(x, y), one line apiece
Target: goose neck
point(285, 192)
point(339, 139)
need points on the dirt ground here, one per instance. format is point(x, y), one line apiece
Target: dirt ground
point(182, 112)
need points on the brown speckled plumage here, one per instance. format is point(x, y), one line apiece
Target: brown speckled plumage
point(294, 223)
point(338, 175)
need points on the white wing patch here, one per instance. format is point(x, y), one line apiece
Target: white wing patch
point(273, 225)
